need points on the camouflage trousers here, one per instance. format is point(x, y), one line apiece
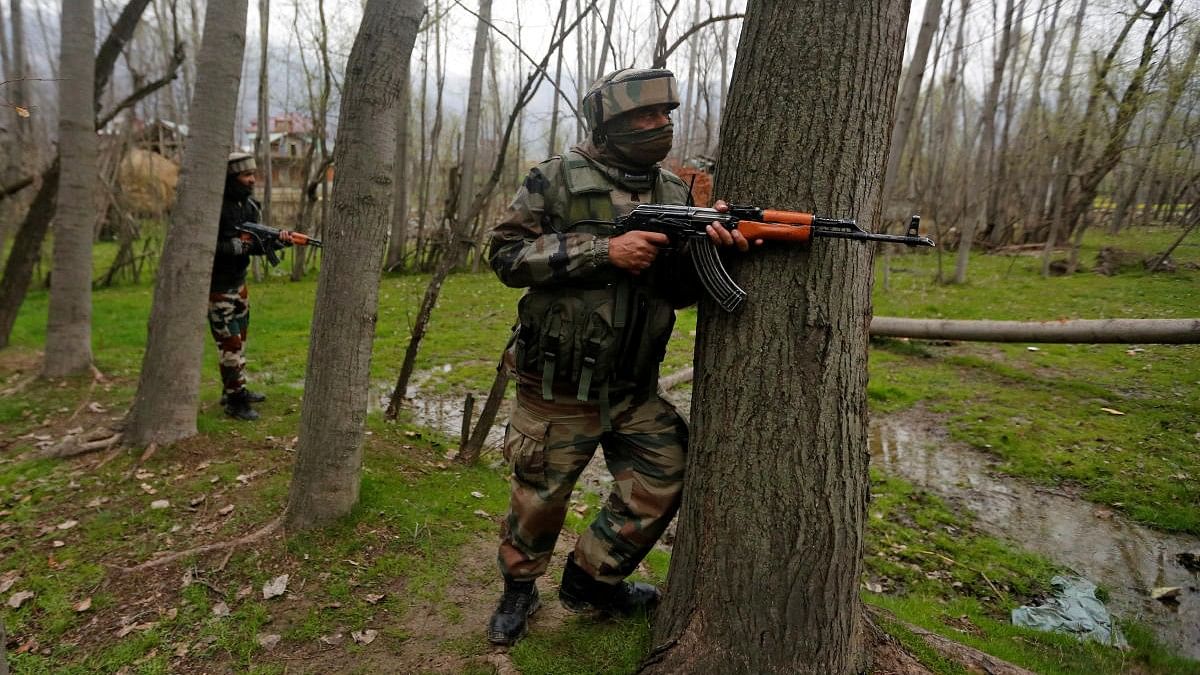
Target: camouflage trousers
point(228, 320)
point(548, 444)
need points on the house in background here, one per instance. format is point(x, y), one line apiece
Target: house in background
point(290, 136)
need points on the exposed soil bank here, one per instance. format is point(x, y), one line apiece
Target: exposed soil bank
point(1125, 558)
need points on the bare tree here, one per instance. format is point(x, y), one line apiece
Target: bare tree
point(264, 107)
point(164, 407)
point(981, 175)
point(907, 102)
point(69, 322)
point(325, 480)
point(792, 427)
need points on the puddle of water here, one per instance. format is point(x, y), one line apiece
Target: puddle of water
point(1126, 558)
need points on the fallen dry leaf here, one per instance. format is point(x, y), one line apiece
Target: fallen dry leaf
point(374, 598)
point(225, 510)
point(1110, 411)
point(332, 640)
point(268, 641)
point(365, 637)
point(17, 599)
point(197, 501)
point(6, 582)
point(275, 587)
point(67, 524)
point(83, 605)
point(220, 609)
point(160, 504)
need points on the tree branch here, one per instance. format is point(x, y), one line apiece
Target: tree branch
point(660, 61)
point(566, 99)
point(172, 72)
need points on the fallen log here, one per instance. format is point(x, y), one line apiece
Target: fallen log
point(1081, 331)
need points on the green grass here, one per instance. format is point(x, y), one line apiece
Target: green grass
point(1038, 412)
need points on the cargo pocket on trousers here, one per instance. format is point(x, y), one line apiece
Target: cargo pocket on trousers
point(525, 447)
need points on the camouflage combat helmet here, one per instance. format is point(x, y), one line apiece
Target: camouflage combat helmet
point(627, 89)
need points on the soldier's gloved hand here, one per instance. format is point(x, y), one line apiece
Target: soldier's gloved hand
point(720, 236)
point(635, 251)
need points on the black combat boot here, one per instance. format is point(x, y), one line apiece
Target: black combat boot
point(237, 406)
point(251, 397)
point(580, 593)
point(510, 621)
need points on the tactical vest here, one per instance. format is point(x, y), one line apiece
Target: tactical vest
point(610, 330)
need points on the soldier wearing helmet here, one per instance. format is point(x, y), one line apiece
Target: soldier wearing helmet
point(593, 328)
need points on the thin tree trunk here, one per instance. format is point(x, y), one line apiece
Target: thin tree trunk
point(775, 590)
point(606, 45)
point(264, 108)
point(985, 165)
point(552, 148)
point(164, 407)
point(398, 241)
point(325, 481)
point(69, 321)
point(1061, 164)
point(907, 103)
point(433, 290)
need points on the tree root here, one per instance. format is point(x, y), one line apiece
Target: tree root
point(972, 659)
point(261, 533)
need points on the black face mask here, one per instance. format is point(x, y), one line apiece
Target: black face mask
point(643, 147)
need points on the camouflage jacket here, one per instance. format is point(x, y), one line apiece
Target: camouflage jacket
point(542, 245)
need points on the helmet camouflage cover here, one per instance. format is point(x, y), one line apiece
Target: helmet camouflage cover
point(628, 89)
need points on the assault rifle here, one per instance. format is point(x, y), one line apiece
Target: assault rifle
point(269, 239)
point(686, 226)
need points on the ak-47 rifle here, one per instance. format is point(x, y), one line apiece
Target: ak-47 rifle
point(270, 239)
point(686, 226)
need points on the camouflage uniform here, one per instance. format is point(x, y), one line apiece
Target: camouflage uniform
point(228, 321)
point(585, 356)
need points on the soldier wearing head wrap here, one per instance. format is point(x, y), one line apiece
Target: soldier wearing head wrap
point(593, 328)
point(228, 300)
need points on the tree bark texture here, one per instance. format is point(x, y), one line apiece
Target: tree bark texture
point(765, 572)
point(69, 321)
point(164, 407)
point(325, 481)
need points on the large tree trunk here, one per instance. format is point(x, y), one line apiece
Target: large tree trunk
point(164, 408)
point(325, 481)
point(69, 321)
point(767, 560)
